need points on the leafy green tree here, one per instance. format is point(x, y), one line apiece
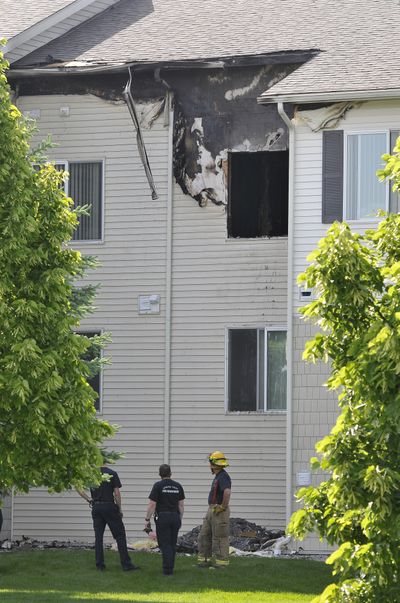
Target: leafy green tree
point(49, 433)
point(357, 279)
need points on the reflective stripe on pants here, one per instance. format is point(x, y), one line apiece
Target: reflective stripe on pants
point(214, 537)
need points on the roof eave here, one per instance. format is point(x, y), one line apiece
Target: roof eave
point(283, 57)
point(321, 97)
point(43, 25)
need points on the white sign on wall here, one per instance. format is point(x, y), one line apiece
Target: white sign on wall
point(149, 304)
point(304, 478)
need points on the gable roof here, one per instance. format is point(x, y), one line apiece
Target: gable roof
point(19, 16)
point(360, 62)
point(357, 39)
point(173, 30)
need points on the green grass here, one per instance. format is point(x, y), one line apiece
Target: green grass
point(69, 576)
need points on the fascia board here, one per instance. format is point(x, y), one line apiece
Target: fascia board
point(47, 23)
point(315, 97)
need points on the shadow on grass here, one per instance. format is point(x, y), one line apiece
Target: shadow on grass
point(69, 576)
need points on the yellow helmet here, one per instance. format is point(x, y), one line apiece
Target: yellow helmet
point(218, 458)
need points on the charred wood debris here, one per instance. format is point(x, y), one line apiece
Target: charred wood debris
point(244, 536)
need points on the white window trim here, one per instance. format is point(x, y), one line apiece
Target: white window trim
point(65, 163)
point(96, 331)
point(265, 411)
point(346, 134)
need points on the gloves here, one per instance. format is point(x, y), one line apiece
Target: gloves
point(218, 509)
point(147, 527)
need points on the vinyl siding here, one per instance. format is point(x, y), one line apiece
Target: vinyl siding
point(216, 283)
point(314, 408)
point(58, 30)
point(132, 260)
point(220, 283)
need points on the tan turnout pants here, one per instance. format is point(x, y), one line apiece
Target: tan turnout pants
point(214, 537)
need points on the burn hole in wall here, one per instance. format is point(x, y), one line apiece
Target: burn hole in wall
point(258, 194)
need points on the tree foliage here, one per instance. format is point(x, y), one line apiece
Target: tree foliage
point(49, 432)
point(357, 280)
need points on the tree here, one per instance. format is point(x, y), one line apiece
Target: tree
point(357, 280)
point(49, 432)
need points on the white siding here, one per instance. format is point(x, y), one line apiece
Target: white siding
point(308, 229)
point(58, 30)
point(216, 283)
point(133, 263)
point(314, 408)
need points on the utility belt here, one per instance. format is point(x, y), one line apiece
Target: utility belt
point(103, 502)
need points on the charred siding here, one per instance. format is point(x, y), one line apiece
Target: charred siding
point(216, 112)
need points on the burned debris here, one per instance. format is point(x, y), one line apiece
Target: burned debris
point(243, 535)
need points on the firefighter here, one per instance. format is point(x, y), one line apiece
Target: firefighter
point(105, 503)
point(214, 533)
point(166, 502)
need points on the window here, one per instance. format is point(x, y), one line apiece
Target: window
point(257, 370)
point(85, 186)
point(364, 193)
point(95, 381)
point(258, 194)
point(350, 188)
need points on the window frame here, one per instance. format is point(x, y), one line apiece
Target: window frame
point(66, 163)
point(259, 411)
point(95, 331)
point(346, 134)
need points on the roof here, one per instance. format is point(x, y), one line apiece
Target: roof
point(173, 30)
point(16, 16)
point(358, 39)
point(361, 61)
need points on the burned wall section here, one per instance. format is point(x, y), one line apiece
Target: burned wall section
point(216, 112)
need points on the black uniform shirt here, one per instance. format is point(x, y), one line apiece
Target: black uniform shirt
point(105, 491)
point(221, 482)
point(167, 493)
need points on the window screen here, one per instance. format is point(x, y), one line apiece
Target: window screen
point(364, 193)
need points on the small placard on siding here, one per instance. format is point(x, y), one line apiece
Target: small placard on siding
point(149, 304)
point(304, 478)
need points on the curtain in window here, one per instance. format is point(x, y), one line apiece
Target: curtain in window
point(85, 188)
point(365, 194)
point(276, 370)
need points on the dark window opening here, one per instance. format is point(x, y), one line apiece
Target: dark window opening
point(258, 194)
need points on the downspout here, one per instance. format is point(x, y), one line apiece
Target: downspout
point(289, 410)
point(169, 113)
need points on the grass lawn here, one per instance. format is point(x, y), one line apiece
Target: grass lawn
point(69, 576)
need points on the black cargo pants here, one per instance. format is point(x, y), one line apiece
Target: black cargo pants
point(107, 514)
point(167, 528)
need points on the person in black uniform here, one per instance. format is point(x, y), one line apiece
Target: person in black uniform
point(166, 502)
point(106, 511)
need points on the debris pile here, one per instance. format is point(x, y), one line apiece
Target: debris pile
point(244, 535)
point(29, 543)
